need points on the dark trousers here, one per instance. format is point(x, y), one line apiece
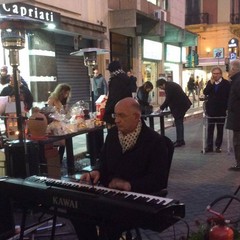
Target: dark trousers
point(179, 128)
point(219, 123)
point(236, 145)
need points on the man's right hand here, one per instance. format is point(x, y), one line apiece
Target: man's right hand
point(157, 111)
point(90, 177)
point(212, 80)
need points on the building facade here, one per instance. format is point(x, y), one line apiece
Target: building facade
point(154, 36)
point(46, 61)
point(146, 36)
point(218, 30)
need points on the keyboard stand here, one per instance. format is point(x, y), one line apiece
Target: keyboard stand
point(230, 201)
point(26, 230)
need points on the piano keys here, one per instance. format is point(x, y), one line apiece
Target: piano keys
point(104, 204)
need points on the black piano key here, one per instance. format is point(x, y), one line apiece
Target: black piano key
point(130, 197)
point(120, 195)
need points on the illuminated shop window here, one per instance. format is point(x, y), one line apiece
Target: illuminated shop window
point(159, 3)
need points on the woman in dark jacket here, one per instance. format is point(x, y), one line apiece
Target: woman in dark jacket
point(25, 94)
point(119, 87)
point(143, 97)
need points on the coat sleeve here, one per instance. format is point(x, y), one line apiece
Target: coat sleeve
point(156, 171)
point(208, 89)
point(28, 99)
point(168, 94)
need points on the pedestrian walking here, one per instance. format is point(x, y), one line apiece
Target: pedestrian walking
point(191, 87)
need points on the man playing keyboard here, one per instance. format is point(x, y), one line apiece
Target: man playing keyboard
point(133, 158)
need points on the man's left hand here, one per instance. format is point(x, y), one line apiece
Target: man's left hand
point(120, 184)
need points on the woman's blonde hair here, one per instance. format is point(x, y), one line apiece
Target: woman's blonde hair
point(59, 91)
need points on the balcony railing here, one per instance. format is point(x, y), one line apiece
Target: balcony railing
point(202, 18)
point(235, 18)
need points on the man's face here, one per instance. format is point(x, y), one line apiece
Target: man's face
point(162, 87)
point(126, 119)
point(3, 72)
point(216, 74)
point(95, 73)
point(12, 81)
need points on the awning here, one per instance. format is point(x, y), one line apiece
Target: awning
point(132, 22)
point(175, 34)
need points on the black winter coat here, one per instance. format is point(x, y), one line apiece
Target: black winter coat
point(25, 95)
point(217, 99)
point(144, 166)
point(233, 118)
point(119, 87)
point(176, 100)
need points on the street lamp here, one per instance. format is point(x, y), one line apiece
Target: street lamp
point(13, 38)
point(90, 61)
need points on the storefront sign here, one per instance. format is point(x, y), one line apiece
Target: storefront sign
point(173, 53)
point(218, 52)
point(233, 43)
point(30, 11)
point(152, 49)
point(233, 56)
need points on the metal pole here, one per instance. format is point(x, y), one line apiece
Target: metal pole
point(14, 60)
point(90, 73)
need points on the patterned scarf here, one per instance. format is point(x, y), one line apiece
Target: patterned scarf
point(128, 141)
point(115, 73)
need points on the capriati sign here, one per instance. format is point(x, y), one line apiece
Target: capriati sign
point(30, 11)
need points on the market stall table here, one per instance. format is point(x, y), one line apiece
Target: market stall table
point(151, 117)
point(95, 139)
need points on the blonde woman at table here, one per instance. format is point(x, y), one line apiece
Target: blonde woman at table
point(59, 99)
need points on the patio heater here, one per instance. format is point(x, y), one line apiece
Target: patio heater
point(95, 139)
point(13, 38)
point(90, 61)
point(18, 162)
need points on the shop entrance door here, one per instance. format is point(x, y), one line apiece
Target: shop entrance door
point(149, 73)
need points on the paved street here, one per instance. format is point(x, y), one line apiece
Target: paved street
point(196, 180)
